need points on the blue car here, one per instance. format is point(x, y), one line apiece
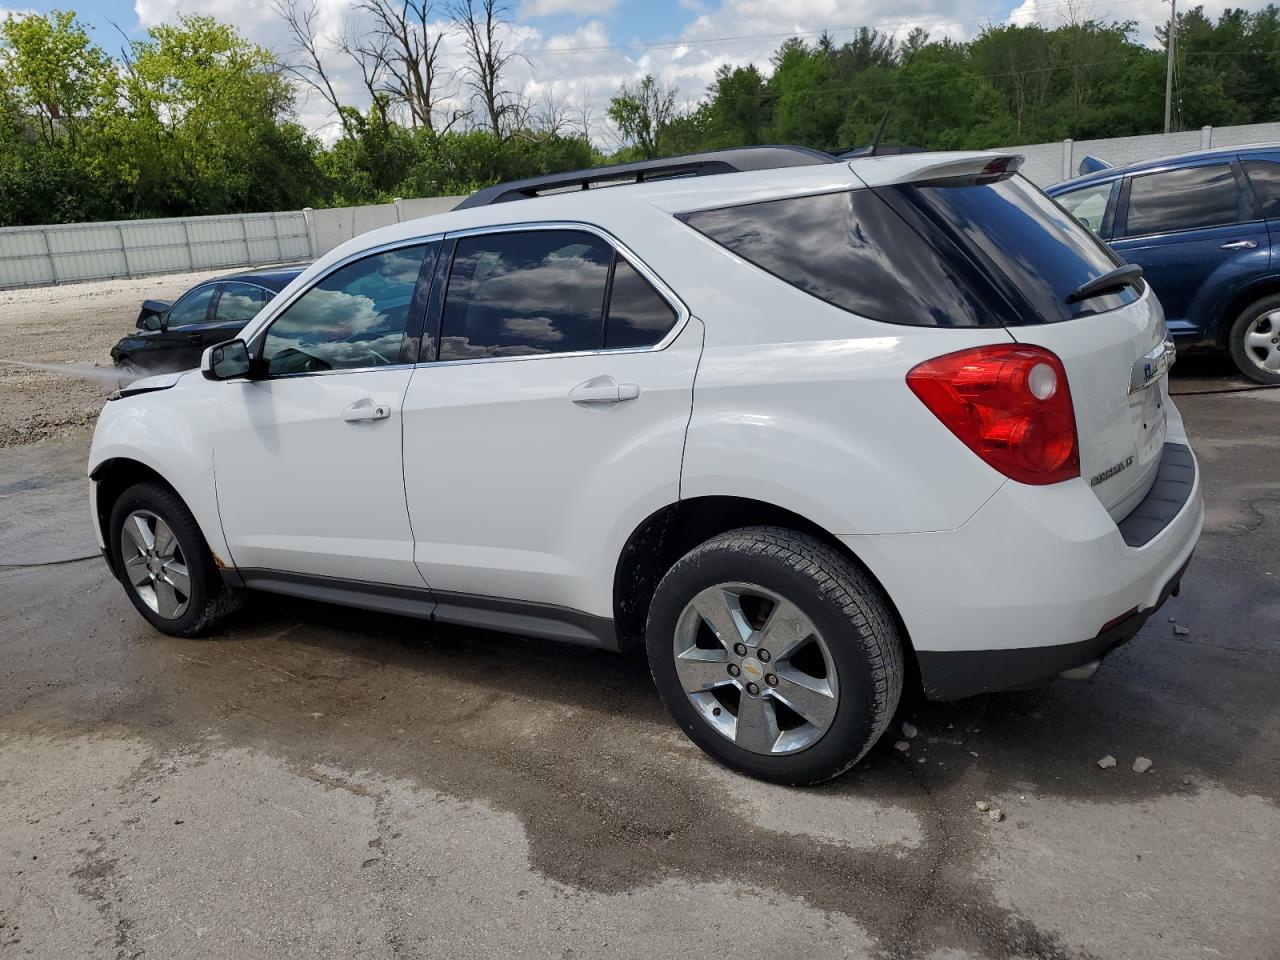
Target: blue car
point(1203, 227)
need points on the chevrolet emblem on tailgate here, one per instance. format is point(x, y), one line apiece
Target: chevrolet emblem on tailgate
point(1152, 365)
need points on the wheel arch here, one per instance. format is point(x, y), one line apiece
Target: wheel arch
point(111, 478)
point(1231, 309)
point(669, 533)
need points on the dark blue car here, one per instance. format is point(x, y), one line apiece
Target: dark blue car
point(172, 336)
point(1203, 227)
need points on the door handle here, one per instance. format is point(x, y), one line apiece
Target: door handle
point(1240, 245)
point(604, 390)
point(364, 410)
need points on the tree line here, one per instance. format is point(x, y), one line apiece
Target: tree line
point(192, 118)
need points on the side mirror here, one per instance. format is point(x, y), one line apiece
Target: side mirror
point(152, 313)
point(150, 322)
point(225, 361)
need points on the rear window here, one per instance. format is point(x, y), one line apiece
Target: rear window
point(1034, 251)
point(851, 250)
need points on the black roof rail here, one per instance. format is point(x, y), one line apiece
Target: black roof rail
point(733, 160)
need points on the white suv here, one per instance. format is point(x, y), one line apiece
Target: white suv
point(798, 431)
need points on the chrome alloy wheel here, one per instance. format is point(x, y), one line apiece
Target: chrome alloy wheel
point(1262, 342)
point(755, 668)
point(154, 564)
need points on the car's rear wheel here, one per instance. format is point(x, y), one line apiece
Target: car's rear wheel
point(1254, 340)
point(164, 563)
point(777, 654)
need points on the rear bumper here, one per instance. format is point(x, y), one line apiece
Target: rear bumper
point(1005, 600)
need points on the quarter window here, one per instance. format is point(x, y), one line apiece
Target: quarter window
point(526, 293)
point(1185, 199)
point(239, 302)
point(1264, 175)
point(355, 317)
point(638, 315)
point(1088, 204)
point(193, 308)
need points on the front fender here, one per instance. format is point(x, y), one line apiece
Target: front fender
point(171, 433)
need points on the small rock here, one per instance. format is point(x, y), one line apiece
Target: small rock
point(1180, 630)
point(983, 806)
point(996, 815)
point(909, 730)
point(902, 746)
point(1173, 619)
point(921, 760)
point(1186, 781)
point(1107, 762)
point(1141, 765)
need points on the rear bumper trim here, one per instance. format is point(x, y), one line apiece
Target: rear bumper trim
point(955, 674)
point(1175, 480)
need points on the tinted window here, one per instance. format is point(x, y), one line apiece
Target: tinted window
point(1184, 199)
point(1088, 204)
point(638, 315)
point(1038, 254)
point(516, 294)
point(851, 250)
point(239, 302)
point(355, 317)
point(193, 308)
point(1264, 176)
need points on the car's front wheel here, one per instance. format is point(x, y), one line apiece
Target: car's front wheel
point(164, 563)
point(1254, 340)
point(777, 654)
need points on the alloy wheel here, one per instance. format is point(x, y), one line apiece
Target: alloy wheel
point(154, 564)
point(1262, 342)
point(756, 668)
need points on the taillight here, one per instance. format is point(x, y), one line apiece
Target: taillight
point(1009, 404)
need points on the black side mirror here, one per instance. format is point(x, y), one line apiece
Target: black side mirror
point(226, 361)
point(152, 314)
point(150, 322)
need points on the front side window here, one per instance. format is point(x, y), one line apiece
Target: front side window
point(850, 249)
point(1088, 204)
point(239, 302)
point(1264, 176)
point(353, 318)
point(193, 308)
point(1185, 199)
point(525, 293)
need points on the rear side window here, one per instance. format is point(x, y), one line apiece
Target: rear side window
point(1089, 204)
point(1264, 176)
point(1034, 251)
point(851, 250)
point(1185, 199)
point(521, 294)
point(638, 316)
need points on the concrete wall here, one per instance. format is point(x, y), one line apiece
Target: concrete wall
point(37, 256)
point(1048, 163)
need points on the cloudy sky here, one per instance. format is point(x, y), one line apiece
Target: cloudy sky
point(581, 50)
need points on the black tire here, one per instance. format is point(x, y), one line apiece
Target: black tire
point(844, 604)
point(210, 599)
point(1246, 360)
point(127, 372)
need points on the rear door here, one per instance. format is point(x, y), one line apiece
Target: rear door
point(549, 421)
point(1197, 235)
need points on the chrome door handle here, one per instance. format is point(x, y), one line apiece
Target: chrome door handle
point(364, 410)
point(1240, 245)
point(604, 390)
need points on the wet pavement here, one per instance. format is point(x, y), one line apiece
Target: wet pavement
point(317, 782)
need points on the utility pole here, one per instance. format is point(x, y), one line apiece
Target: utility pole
point(1170, 42)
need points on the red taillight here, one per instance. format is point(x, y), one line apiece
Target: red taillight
point(1009, 404)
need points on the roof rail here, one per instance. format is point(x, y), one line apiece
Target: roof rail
point(734, 160)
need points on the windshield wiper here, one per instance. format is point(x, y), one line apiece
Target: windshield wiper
point(1111, 281)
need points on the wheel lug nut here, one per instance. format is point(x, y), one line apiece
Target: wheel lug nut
point(740, 649)
point(734, 670)
point(764, 655)
point(753, 689)
point(771, 680)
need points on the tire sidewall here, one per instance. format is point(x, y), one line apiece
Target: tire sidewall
point(847, 737)
point(195, 552)
point(1240, 329)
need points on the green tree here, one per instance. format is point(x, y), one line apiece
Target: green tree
point(642, 111)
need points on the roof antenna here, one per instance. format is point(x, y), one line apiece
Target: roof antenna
point(875, 140)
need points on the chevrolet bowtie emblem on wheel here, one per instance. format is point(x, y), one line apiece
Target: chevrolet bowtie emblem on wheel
point(1153, 365)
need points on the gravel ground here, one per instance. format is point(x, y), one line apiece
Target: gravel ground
point(71, 326)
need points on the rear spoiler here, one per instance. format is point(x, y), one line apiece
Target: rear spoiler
point(940, 169)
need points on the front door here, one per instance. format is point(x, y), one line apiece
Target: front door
point(552, 423)
point(1196, 233)
point(307, 452)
